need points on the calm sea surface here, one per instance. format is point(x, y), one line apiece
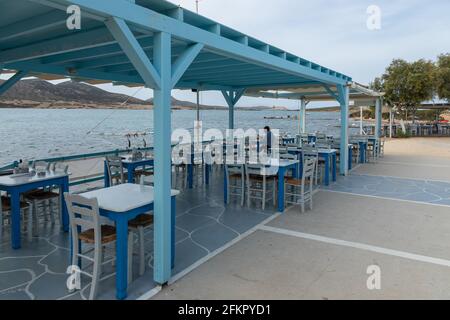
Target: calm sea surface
point(37, 134)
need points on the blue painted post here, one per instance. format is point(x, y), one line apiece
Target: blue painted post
point(378, 117)
point(163, 158)
point(12, 81)
point(303, 115)
point(343, 92)
point(231, 116)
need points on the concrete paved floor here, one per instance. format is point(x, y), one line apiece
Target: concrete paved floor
point(417, 158)
point(325, 253)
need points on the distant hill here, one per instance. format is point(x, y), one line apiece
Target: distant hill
point(36, 93)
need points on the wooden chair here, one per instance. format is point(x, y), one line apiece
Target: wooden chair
point(47, 199)
point(116, 172)
point(299, 192)
point(86, 227)
point(235, 175)
point(261, 182)
point(5, 215)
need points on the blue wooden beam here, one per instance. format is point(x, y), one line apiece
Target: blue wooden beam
point(88, 74)
point(184, 61)
point(163, 159)
point(12, 81)
point(134, 51)
point(343, 98)
point(32, 25)
point(145, 19)
point(378, 117)
point(232, 97)
point(332, 93)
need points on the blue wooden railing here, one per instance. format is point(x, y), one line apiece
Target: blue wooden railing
point(80, 157)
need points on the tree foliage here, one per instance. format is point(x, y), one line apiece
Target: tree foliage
point(407, 84)
point(443, 77)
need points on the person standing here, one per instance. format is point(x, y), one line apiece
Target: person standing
point(268, 139)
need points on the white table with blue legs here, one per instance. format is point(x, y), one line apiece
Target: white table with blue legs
point(15, 185)
point(121, 204)
point(330, 157)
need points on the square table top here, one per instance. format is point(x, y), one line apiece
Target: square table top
point(26, 178)
point(124, 197)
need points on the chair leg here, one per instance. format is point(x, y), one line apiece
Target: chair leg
point(1, 223)
point(141, 251)
point(30, 224)
point(130, 257)
point(35, 213)
point(52, 211)
point(242, 192)
point(97, 270)
point(264, 195)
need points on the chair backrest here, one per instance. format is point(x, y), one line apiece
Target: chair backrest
point(83, 213)
point(307, 150)
point(309, 167)
point(40, 165)
point(115, 170)
point(287, 156)
point(235, 169)
point(59, 167)
point(323, 145)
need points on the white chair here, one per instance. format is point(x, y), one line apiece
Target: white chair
point(299, 192)
point(381, 150)
point(5, 215)
point(85, 224)
point(116, 172)
point(47, 199)
point(309, 152)
point(235, 175)
point(261, 182)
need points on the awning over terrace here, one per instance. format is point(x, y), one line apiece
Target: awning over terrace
point(161, 46)
point(359, 96)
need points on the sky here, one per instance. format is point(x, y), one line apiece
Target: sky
point(332, 33)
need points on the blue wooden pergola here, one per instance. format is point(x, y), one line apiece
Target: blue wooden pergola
point(159, 45)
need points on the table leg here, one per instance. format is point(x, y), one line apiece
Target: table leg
point(15, 220)
point(334, 166)
point(362, 152)
point(350, 158)
point(122, 258)
point(225, 186)
point(130, 174)
point(190, 175)
point(327, 170)
point(281, 172)
point(207, 168)
point(106, 175)
point(172, 225)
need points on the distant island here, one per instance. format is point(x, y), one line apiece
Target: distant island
point(40, 94)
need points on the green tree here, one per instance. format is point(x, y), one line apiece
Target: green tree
point(407, 85)
point(443, 77)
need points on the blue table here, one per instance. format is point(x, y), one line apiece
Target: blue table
point(362, 150)
point(121, 204)
point(131, 166)
point(15, 185)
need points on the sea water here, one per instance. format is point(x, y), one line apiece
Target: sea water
point(43, 133)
